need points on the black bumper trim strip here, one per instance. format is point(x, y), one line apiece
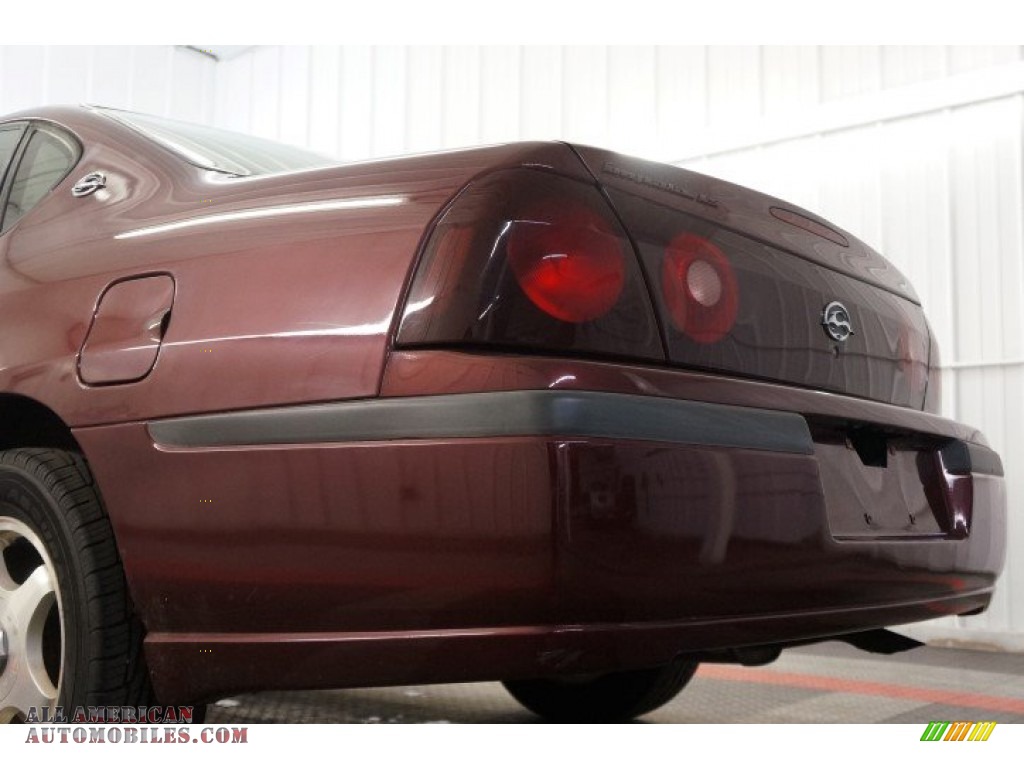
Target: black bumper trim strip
point(496, 414)
point(961, 458)
point(984, 461)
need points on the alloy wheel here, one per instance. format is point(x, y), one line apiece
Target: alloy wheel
point(31, 624)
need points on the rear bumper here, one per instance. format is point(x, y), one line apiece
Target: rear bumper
point(670, 509)
point(518, 530)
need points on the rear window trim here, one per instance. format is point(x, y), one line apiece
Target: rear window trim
point(238, 169)
point(30, 128)
point(22, 126)
point(181, 155)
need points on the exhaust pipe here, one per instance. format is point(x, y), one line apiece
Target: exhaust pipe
point(880, 641)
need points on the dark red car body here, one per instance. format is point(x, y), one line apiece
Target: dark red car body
point(301, 500)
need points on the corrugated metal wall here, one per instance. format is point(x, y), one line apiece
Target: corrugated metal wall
point(917, 149)
point(368, 101)
point(160, 79)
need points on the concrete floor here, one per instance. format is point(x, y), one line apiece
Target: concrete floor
point(825, 683)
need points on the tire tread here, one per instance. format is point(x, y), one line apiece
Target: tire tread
point(610, 698)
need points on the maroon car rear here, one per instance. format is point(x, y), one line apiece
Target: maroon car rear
point(532, 411)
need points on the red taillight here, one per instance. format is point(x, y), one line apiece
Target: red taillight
point(699, 288)
point(567, 261)
point(531, 260)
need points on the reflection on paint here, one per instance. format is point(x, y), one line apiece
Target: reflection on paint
point(263, 213)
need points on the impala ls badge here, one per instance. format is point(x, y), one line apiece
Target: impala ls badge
point(836, 321)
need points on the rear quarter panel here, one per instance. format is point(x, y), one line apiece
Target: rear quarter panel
point(287, 308)
point(277, 300)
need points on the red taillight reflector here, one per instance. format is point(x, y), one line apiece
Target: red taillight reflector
point(568, 262)
point(533, 261)
point(700, 288)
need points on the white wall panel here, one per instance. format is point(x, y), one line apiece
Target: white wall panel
point(295, 106)
point(584, 104)
point(646, 100)
point(540, 93)
point(681, 99)
point(963, 58)
point(324, 105)
point(423, 123)
point(632, 90)
point(159, 79)
point(232, 108)
point(850, 70)
point(734, 83)
point(110, 81)
point(356, 100)
point(187, 102)
point(67, 73)
point(153, 78)
point(790, 78)
point(500, 76)
point(265, 114)
point(460, 97)
point(22, 77)
point(903, 64)
point(388, 99)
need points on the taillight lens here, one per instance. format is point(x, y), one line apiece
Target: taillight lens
point(699, 287)
point(529, 259)
point(572, 266)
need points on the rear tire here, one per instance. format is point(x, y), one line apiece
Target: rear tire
point(612, 698)
point(71, 637)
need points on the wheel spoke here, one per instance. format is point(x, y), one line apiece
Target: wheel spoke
point(30, 689)
point(33, 597)
point(30, 613)
point(7, 582)
point(28, 606)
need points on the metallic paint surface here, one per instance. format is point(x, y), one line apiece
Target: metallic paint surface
point(356, 659)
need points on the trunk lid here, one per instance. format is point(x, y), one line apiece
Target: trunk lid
point(786, 283)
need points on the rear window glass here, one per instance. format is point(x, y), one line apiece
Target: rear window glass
point(9, 135)
point(220, 150)
point(46, 161)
